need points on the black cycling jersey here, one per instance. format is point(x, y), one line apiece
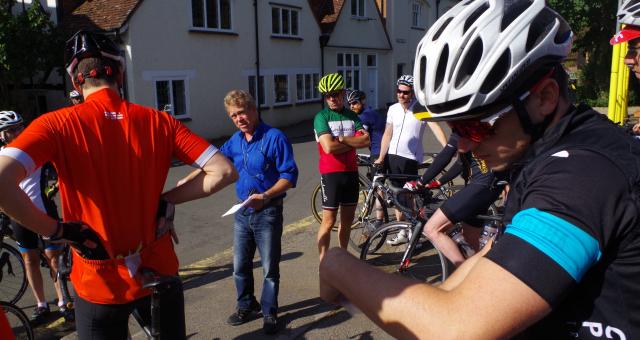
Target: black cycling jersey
point(572, 231)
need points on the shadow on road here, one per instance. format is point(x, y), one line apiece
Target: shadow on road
point(199, 276)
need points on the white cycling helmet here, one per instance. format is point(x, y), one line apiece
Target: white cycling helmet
point(484, 52)
point(406, 80)
point(628, 14)
point(9, 119)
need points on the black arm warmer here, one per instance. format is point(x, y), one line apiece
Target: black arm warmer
point(441, 160)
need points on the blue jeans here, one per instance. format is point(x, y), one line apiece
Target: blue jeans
point(262, 229)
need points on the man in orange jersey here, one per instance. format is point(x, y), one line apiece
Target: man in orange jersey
point(112, 159)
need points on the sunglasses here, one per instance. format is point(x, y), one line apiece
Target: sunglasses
point(406, 93)
point(633, 51)
point(15, 129)
point(477, 130)
point(335, 94)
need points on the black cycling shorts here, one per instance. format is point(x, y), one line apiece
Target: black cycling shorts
point(106, 322)
point(28, 240)
point(401, 165)
point(339, 188)
point(470, 201)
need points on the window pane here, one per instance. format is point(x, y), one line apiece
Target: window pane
point(348, 61)
point(356, 60)
point(354, 7)
point(316, 78)
point(212, 14)
point(225, 14)
point(371, 60)
point(261, 97)
point(294, 22)
point(252, 86)
point(197, 14)
point(308, 86)
point(299, 87)
point(179, 98)
point(339, 62)
point(349, 79)
point(162, 94)
point(281, 88)
point(361, 8)
point(285, 21)
point(275, 20)
point(356, 79)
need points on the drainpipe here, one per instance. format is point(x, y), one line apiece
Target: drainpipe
point(324, 39)
point(255, 14)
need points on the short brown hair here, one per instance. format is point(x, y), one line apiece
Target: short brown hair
point(239, 98)
point(87, 64)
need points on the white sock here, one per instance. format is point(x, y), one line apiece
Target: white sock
point(42, 304)
point(61, 303)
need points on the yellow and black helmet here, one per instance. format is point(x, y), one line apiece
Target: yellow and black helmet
point(331, 82)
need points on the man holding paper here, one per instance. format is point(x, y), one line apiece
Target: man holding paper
point(264, 159)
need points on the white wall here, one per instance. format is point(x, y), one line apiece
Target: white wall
point(160, 43)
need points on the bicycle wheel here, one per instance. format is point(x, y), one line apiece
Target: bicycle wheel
point(13, 279)
point(365, 219)
point(18, 321)
point(427, 263)
point(316, 200)
point(316, 203)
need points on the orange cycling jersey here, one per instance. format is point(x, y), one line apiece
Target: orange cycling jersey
point(112, 158)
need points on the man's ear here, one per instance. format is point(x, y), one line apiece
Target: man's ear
point(546, 97)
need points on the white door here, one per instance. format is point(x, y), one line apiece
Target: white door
point(372, 80)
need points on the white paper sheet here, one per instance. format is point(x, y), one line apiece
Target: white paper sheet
point(236, 207)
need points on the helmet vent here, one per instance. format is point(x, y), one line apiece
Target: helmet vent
point(444, 25)
point(469, 63)
point(539, 28)
point(474, 16)
point(512, 10)
point(497, 73)
point(423, 71)
point(442, 68)
point(450, 105)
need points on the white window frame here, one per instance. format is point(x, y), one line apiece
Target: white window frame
point(360, 9)
point(289, 10)
point(416, 14)
point(344, 69)
point(310, 84)
point(206, 19)
point(275, 89)
point(185, 79)
point(264, 89)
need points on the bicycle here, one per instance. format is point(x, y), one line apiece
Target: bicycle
point(417, 258)
point(364, 180)
point(13, 278)
point(364, 224)
point(18, 321)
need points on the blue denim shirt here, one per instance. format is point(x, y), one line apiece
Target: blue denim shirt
point(262, 161)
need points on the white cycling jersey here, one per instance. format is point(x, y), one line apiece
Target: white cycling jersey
point(406, 140)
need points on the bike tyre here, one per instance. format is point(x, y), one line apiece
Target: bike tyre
point(427, 263)
point(12, 286)
point(18, 321)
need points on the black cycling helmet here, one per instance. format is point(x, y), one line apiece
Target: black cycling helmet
point(355, 96)
point(85, 44)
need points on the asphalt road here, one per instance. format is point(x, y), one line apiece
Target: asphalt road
point(205, 236)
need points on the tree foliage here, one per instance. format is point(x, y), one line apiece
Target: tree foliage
point(593, 24)
point(30, 47)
